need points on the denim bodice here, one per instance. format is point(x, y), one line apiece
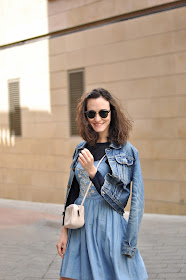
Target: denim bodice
point(83, 178)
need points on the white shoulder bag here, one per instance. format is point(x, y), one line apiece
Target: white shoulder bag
point(74, 214)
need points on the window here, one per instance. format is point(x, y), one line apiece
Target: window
point(76, 89)
point(14, 108)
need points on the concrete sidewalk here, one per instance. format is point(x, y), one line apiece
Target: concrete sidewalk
point(29, 232)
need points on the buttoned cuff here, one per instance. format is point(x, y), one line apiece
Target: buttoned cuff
point(128, 250)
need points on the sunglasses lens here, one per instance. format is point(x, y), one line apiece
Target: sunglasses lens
point(91, 114)
point(103, 113)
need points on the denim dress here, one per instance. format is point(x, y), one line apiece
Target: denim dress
point(94, 251)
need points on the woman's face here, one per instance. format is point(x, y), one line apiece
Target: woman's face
point(99, 124)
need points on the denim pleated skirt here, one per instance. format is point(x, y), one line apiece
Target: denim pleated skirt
point(94, 251)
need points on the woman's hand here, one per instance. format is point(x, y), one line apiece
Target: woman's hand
point(87, 162)
point(62, 242)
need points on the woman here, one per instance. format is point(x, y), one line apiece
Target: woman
point(105, 247)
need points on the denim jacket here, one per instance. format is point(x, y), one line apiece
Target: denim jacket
point(125, 166)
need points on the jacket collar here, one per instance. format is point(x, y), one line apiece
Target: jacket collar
point(81, 145)
point(112, 145)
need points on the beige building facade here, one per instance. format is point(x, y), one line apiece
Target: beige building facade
point(135, 49)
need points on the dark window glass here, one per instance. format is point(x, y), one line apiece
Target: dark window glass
point(14, 108)
point(76, 89)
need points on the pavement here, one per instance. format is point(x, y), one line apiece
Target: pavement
point(29, 232)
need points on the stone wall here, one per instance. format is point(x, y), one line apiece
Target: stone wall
point(142, 61)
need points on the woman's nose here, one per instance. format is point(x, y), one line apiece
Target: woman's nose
point(97, 117)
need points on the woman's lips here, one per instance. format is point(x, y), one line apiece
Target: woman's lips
point(98, 124)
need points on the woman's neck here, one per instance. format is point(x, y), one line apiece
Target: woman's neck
point(103, 137)
point(102, 140)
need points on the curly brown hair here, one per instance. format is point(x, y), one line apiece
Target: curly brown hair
point(120, 124)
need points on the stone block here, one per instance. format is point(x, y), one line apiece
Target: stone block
point(31, 146)
point(41, 146)
point(164, 107)
point(181, 127)
point(180, 83)
point(74, 141)
point(146, 87)
point(57, 22)
point(38, 130)
point(17, 176)
point(94, 55)
point(182, 192)
point(170, 208)
point(75, 59)
point(181, 105)
point(60, 113)
point(58, 62)
point(99, 36)
point(94, 74)
point(59, 97)
point(43, 180)
point(4, 120)
point(61, 179)
point(142, 129)
point(163, 169)
point(180, 61)
point(147, 47)
point(2, 190)
point(178, 18)
point(148, 67)
point(63, 164)
point(148, 25)
point(75, 41)
point(24, 192)
point(47, 130)
point(145, 67)
point(58, 80)
point(115, 71)
point(61, 130)
point(61, 147)
point(140, 108)
point(162, 191)
point(180, 40)
point(161, 148)
point(52, 196)
point(29, 162)
point(117, 52)
point(57, 45)
point(35, 116)
point(95, 85)
point(11, 191)
point(164, 128)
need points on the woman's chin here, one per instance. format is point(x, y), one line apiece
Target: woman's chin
point(98, 129)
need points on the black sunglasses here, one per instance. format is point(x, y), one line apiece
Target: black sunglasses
point(91, 114)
